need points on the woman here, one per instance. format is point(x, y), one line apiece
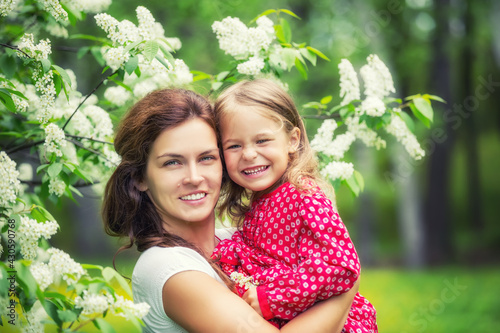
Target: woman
point(162, 197)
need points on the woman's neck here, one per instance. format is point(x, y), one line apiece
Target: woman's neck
point(199, 233)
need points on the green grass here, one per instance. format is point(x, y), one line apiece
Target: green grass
point(444, 300)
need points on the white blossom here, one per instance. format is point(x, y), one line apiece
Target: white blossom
point(39, 51)
point(368, 136)
point(324, 136)
point(115, 57)
point(373, 106)
point(147, 27)
point(124, 307)
point(103, 126)
point(107, 23)
point(55, 9)
point(62, 265)
point(117, 95)
point(338, 170)
point(338, 147)
point(57, 186)
point(42, 274)
point(92, 303)
point(57, 30)
point(54, 139)
point(143, 88)
point(9, 182)
point(349, 83)
point(113, 159)
point(252, 66)
point(30, 231)
point(398, 128)
point(6, 6)
point(89, 6)
point(377, 78)
point(181, 74)
point(34, 320)
point(239, 41)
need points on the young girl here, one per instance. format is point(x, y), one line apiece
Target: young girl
point(291, 241)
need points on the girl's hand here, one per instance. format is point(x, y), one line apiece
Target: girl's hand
point(250, 296)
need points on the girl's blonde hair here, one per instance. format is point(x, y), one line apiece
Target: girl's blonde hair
point(270, 99)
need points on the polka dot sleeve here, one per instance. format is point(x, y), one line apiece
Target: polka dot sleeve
point(327, 263)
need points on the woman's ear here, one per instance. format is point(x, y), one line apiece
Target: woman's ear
point(141, 185)
point(294, 140)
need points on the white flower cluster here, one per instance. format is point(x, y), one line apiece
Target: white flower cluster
point(30, 231)
point(57, 186)
point(117, 95)
point(361, 131)
point(99, 303)
point(55, 9)
point(42, 274)
point(115, 57)
point(113, 158)
point(62, 265)
point(338, 170)
point(241, 42)
point(39, 51)
point(252, 66)
point(54, 139)
point(57, 30)
point(398, 128)
point(34, 320)
point(378, 84)
point(9, 182)
point(21, 103)
point(6, 6)
point(349, 84)
point(102, 125)
point(324, 136)
point(88, 6)
point(242, 280)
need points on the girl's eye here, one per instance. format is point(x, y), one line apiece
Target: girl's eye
point(263, 140)
point(233, 147)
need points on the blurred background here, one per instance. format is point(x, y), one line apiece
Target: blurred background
point(427, 231)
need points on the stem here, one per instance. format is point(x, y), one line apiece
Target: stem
point(323, 117)
point(24, 146)
point(79, 144)
point(14, 48)
point(85, 138)
point(83, 324)
point(86, 97)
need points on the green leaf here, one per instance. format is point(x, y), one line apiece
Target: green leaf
point(151, 48)
point(326, 99)
point(41, 167)
point(409, 98)
point(408, 121)
point(352, 185)
point(425, 108)
point(7, 100)
point(359, 180)
point(68, 315)
point(52, 310)
point(216, 85)
point(45, 213)
point(90, 266)
point(131, 65)
point(45, 65)
point(8, 65)
point(54, 169)
point(57, 83)
point(25, 279)
point(109, 274)
point(301, 68)
point(121, 84)
point(420, 116)
point(267, 12)
point(222, 75)
point(318, 53)
point(434, 97)
point(289, 12)
point(280, 35)
point(64, 75)
point(198, 76)
point(288, 56)
point(76, 191)
point(313, 105)
point(103, 326)
point(309, 55)
point(287, 32)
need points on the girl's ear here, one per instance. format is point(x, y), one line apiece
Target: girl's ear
point(294, 140)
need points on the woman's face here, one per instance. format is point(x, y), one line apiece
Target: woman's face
point(184, 173)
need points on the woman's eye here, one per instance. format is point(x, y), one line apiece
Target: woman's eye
point(171, 162)
point(208, 158)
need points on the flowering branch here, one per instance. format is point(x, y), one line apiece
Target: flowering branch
point(12, 47)
point(91, 139)
point(79, 144)
point(87, 97)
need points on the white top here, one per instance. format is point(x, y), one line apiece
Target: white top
point(152, 270)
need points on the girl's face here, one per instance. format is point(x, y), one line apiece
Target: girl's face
point(256, 148)
point(184, 173)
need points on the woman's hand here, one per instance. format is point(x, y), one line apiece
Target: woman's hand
point(250, 296)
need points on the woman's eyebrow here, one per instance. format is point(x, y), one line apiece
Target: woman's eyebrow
point(170, 155)
point(210, 151)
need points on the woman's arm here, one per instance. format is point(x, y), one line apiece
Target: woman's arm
point(199, 303)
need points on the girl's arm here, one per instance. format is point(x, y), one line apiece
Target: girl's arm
point(199, 303)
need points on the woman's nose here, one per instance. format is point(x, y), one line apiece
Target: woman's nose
point(193, 176)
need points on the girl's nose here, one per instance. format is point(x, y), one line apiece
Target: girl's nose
point(249, 153)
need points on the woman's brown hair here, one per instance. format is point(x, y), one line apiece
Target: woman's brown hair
point(126, 211)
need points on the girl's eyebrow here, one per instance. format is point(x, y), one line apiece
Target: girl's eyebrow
point(257, 136)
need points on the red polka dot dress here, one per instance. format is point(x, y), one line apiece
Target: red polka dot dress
point(297, 249)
